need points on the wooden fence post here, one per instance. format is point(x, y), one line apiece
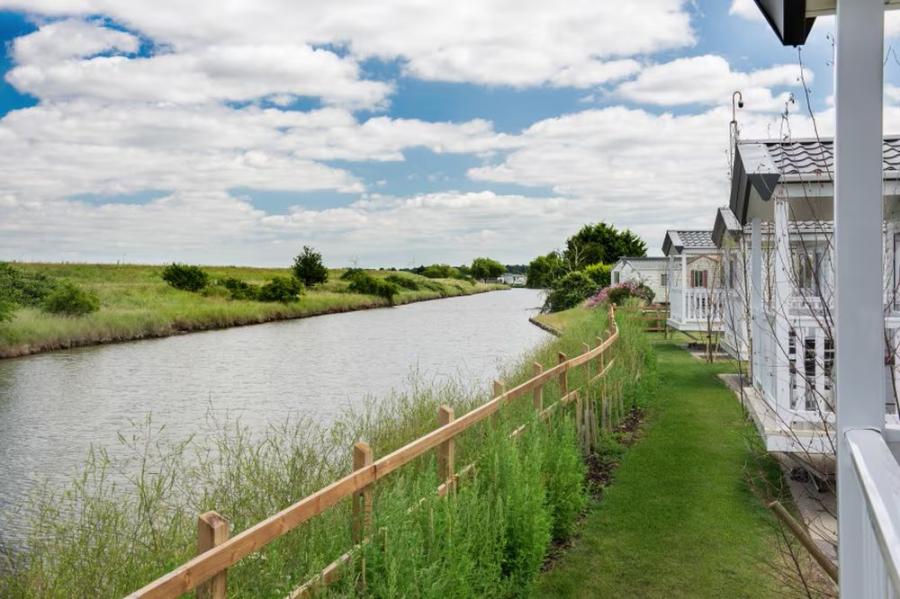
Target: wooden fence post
point(499, 388)
point(586, 348)
point(563, 377)
point(579, 421)
point(446, 450)
point(362, 499)
point(600, 364)
point(539, 390)
point(212, 530)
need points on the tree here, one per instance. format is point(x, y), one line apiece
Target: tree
point(601, 243)
point(600, 273)
point(544, 270)
point(308, 267)
point(486, 268)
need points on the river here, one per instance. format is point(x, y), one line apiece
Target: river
point(54, 406)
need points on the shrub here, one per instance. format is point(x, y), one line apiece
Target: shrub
point(350, 273)
point(569, 291)
point(620, 292)
point(185, 276)
point(599, 273)
point(22, 287)
point(6, 310)
point(308, 267)
point(240, 290)
point(71, 300)
point(440, 271)
point(369, 285)
point(404, 282)
point(280, 289)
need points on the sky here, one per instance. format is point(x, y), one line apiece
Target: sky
point(390, 133)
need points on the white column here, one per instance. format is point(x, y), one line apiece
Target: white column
point(684, 286)
point(857, 221)
point(781, 303)
point(756, 302)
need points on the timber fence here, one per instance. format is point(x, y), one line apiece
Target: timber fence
point(207, 572)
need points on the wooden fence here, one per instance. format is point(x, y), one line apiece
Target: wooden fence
point(207, 572)
point(656, 319)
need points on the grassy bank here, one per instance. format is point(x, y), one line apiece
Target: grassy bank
point(135, 303)
point(125, 523)
point(680, 519)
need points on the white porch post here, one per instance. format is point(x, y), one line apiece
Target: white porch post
point(684, 287)
point(858, 261)
point(756, 307)
point(782, 310)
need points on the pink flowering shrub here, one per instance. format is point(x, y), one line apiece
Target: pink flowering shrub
point(620, 292)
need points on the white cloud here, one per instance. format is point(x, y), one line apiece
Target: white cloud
point(56, 150)
point(746, 9)
point(709, 80)
point(498, 42)
point(214, 227)
point(50, 66)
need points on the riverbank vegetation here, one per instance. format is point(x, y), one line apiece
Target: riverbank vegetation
point(134, 301)
point(584, 267)
point(122, 524)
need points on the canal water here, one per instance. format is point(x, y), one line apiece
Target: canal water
point(54, 406)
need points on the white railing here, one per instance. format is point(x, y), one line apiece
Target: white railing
point(764, 358)
point(697, 304)
point(877, 489)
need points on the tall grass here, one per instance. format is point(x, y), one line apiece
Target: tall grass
point(136, 303)
point(124, 523)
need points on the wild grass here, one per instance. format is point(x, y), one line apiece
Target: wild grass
point(124, 523)
point(136, 303)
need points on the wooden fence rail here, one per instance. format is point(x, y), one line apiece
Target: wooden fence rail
point(217, 552)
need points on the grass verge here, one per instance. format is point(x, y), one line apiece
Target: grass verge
point(135, 303)
point(682, 518)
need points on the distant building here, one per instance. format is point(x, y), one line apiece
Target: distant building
point(514, 280)
point(652, 272)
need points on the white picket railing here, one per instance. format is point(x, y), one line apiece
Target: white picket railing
point(697, 304)
point(877, 489)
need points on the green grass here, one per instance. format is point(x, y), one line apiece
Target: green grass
point(136, 303)
point(680, 518)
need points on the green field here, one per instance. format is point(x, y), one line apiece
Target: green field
point(136, 303)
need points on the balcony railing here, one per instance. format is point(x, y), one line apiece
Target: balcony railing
point(697, 304)
point(877, 491)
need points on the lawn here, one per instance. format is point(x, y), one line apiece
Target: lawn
point(680, 518)
point(137, 303)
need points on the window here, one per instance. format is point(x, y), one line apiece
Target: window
point(615, 278)
point(699, 278)
point(664, 279)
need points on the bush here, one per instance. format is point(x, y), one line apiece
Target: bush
point(71, 300)
point(350, 273)
point(239, 290)
point(24, 288)
point(599, 273)
point(7, 309)
point(621, 292)
point(185, 277)
point(404, 282)
point(280, 289)
point(569, 291)
point(308, 267)
point(440, 271)
point(367, 284)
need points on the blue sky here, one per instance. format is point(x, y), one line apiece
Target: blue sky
point(379, 134)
